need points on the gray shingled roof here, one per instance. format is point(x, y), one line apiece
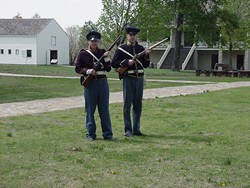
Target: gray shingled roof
point(22, 26)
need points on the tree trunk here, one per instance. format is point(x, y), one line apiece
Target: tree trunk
point(176, 66)
point(230, 54)
point(71, 61)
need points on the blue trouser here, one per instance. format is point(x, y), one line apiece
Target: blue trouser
point(132, 94)
point(97, 94)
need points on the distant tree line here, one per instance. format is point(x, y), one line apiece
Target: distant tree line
point(211, 21)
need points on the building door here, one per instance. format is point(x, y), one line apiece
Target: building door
point(214, 60)
point(240, 62)
point(53, 57)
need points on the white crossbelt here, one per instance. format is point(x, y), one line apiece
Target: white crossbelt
point(129, 54)
point(93, 55)
point(134, 71)
point(98, 60)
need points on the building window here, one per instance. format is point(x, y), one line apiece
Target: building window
point(29, 53)
point(17, 52)
point(53, 40)
point(2, 51)
point(9, 51)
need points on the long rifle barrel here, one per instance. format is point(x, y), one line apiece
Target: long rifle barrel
point(151, 47)
point(158, 43)
point(114, 43)
point(111, 46)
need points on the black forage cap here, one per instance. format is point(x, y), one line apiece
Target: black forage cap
point(93, 35)
point(132, 30)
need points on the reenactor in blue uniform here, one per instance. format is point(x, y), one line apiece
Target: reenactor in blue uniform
point(132, 79)
point(96, 94)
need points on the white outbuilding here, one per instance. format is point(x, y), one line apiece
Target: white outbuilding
point(33, 41)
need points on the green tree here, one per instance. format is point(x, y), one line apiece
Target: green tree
point(154, 18)
point(115, 15)
point(204, 19)
point(229, 24)
point(199, 17)
point(241, 9)
point(234, 24)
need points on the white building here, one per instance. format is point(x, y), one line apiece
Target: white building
point(33, 41)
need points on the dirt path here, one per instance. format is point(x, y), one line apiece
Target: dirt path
point(48, 105)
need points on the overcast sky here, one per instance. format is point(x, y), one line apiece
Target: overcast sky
point(66, 12)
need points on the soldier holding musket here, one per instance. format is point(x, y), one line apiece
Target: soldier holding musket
point(94, 63)
point(132, 78)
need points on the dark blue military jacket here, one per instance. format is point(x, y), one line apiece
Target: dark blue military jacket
point(86, 61)
point(121, 59)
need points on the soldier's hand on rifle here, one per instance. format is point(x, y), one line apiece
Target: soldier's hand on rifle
point(147, 51)
point(131, 62)
point(97, 66)
point(106, 54)
point(91, 71)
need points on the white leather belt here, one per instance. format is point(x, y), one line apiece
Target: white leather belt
point(100, 72)
point(135, 71)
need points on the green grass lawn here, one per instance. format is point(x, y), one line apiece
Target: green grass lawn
point(54, 70)
point(166, 74)
point(192, 141)
point(50, 70)
point(14, 89)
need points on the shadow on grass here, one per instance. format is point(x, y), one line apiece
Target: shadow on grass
point(191, 138)
point(154, 138)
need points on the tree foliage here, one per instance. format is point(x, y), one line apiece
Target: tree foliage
point(115, 15)
point(209, 21)
point(234, 22)
point(154, 18)
point(197, 17)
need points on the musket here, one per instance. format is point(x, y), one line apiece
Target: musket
point(122, 70)
point(90, 77)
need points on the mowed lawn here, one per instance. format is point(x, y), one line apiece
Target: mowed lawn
point(54, 70)
point(16, 89)
point(192, 141)
point(50, 70)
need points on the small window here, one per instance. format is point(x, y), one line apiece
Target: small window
point(17, 52)
point(9, 51)
point(2, 51)
point(29, 53)
point(53, 40)
point(24, 53)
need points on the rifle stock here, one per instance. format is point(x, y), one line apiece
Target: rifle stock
point(122, 70)
point(87, 80)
